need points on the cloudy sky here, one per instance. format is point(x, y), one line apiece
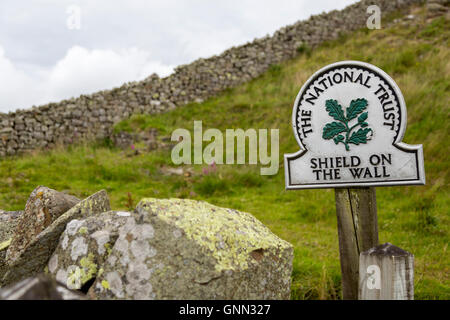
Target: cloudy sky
point(56, 49)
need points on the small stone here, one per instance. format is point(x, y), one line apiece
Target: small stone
point(40, 287)
point(435, 9)
point(43, 207)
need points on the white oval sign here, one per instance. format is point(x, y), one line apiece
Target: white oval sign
point(349, 119)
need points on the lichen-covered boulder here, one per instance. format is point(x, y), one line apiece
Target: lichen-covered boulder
point(83, 248)
point(36, 255)
point(185, 249)
point(8, 223)
point(40, 287)
point(3, 265)
point(43, 207)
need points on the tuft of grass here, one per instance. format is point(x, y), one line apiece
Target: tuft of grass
point(140, 122)
point(212, 185)
point(435, 27)
point(304, 49)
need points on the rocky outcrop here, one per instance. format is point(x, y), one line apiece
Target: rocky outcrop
point(93, 116)
point(34, 257)
point(201, 250)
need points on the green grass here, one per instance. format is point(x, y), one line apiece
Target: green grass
point(416, 55)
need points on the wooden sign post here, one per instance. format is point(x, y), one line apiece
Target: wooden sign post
point(356, 211)
point(349, 119)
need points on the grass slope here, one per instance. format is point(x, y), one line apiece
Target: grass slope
point(415, 53)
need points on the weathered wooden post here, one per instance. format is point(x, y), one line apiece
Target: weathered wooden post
point(356, 211)
point(349, 119)
point(386, 272)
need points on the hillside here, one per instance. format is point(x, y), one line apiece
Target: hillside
point(413, 50)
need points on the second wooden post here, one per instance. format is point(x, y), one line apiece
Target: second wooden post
point(356, 210)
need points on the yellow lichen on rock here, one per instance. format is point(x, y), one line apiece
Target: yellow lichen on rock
point(229, 235)
point(5, 244)
point(79, 275)
point(74, 278)
point(89, 268)
point(105, 284)
point(108, 248)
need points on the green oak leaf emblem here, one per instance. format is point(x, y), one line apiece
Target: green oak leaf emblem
point(341, 130)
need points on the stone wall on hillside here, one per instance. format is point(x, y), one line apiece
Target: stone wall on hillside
point(94, 115)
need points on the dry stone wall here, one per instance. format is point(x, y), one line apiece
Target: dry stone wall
point(94, 115)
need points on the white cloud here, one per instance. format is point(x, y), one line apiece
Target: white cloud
point(79, 71)
point(16, 87)
point(83, 70)
point(44, 61)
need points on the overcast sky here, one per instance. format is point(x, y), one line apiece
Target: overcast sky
point(49, 52)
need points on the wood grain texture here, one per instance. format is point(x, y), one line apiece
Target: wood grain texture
point(386, 272)
point(357, 230)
